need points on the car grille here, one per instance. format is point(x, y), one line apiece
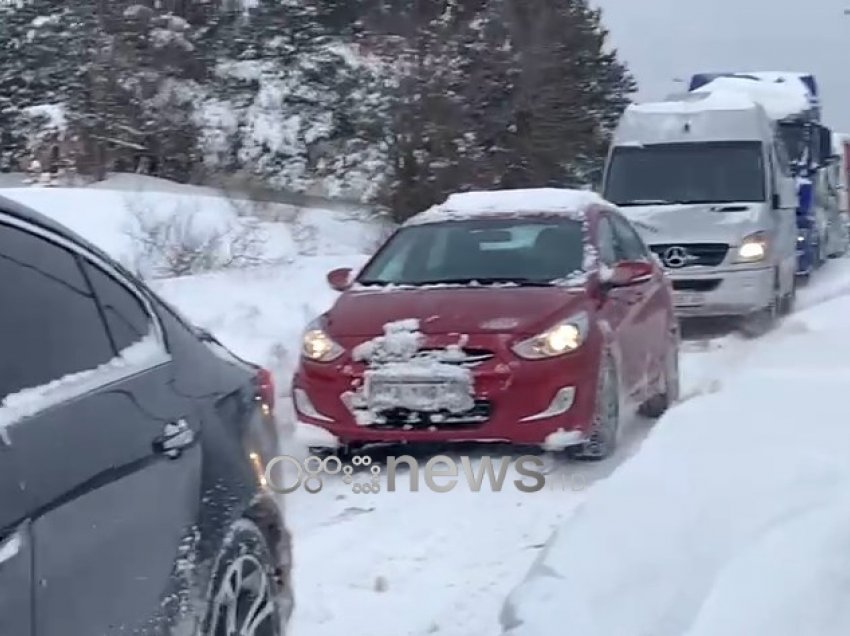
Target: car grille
point(472, 357)
point(696, 285)
point(699, 254)
point(412, 421)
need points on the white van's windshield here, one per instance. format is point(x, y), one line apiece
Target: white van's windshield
point(710, 172)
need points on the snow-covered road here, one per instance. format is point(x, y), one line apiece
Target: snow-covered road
point(396, 563)
point(420, 563)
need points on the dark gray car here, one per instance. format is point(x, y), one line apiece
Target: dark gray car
point(131, 455)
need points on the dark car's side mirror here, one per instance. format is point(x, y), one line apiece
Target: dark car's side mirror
point(340, 279)
point(628, 273)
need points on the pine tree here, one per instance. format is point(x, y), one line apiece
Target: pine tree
point(298, 96)
point(503, 94)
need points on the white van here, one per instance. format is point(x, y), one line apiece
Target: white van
point(705, 179)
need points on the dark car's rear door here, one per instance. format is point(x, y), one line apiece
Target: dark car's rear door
point(15, 553)
point(109, 506)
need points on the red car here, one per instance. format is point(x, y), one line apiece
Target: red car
point(531, 317)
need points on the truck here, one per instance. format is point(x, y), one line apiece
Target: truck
point(841, 177)
point(703, 179)
point(792, 100)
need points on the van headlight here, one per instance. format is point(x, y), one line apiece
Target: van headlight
point(317, 345)
point(565, 337)
point(753, 248)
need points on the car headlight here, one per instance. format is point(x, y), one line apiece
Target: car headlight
point(317, 345)
point(753, 248)
point(563, 338)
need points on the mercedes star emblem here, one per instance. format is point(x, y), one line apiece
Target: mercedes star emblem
point(675, 256)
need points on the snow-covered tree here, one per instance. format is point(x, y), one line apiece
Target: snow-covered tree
point(501, 93)
point(293, 102)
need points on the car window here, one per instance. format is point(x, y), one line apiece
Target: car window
point(50, 325)
point(628, 246)
point(503, 250)
point(606, 242)
point(126, 317)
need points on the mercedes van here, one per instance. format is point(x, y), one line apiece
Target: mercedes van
point(705, 179)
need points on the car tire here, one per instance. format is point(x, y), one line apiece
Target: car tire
point(605, 430)
point(245, 587)
point(657, 405)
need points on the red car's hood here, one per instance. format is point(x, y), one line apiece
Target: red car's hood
point(525, 310)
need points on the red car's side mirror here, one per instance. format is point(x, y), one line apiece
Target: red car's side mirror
point(340, 279)
point(629, 273)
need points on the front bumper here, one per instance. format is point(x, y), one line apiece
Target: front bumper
point(717, 293)
point(512, 402)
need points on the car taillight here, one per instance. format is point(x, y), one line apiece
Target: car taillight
point(265, 389)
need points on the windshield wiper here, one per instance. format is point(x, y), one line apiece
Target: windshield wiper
point(644, 202)
point(481, 280)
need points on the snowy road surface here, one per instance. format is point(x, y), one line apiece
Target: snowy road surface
point(397, 563)
point(420, 563)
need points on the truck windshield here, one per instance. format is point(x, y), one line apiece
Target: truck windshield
point(706, 172)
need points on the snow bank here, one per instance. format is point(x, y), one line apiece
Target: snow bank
point(498, 202)
point(733, 519)
point(117, 213)
point(780, 100)
point(258, 312)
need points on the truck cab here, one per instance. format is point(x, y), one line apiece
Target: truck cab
point(704, 178)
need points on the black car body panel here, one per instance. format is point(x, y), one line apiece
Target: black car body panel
point(105, 527)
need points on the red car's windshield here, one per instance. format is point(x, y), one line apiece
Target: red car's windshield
point(517, 250)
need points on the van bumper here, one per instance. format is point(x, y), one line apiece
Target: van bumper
point(718, 293)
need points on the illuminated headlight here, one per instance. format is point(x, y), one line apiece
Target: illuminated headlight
point(801, 238)
point(563, 338)
point(753, 248)
point(317, 345)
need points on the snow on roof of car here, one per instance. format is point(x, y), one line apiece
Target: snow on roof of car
point(780, 100)
point(467, 205)
point(695, 102)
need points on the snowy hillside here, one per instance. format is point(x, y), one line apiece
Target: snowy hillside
point(258, 309)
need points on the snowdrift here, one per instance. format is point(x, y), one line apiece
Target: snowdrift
point(733, 519)
point(259, 311)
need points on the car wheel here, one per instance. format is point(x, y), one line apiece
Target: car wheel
point(657, 405)
point(245, 599)
point(606, 418)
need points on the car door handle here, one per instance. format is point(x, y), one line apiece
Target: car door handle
point(176, 437)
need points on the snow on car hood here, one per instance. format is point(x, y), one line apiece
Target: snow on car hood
point(458, 310)
point(694, 223)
